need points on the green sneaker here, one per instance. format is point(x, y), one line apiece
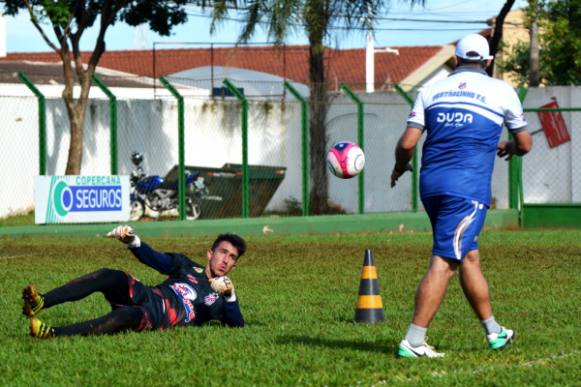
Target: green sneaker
point(501, 339)
point(33, 301)
point(40, 329)
point(424, 350)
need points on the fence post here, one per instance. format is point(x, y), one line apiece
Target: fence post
point(360, 141)
point(244, 123)
point(112, 122)
point(515, 184)
point(415, 166)
point(304, 145)
point(181, 146)
point(41, 122)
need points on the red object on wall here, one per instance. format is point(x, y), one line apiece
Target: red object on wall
point(553, 125)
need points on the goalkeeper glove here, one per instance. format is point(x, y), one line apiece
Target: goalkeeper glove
point(125, 234)
point(224, 287)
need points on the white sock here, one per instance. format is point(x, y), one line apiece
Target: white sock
point(490, 325)
point(416, 335)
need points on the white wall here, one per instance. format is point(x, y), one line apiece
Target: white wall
point(384, 119)
point(18, 153)
point(213, 138)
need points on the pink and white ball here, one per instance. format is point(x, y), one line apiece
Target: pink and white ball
point(345, 159)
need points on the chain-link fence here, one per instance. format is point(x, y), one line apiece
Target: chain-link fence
point(552, 170)
point(218, 134)
point(384, 117)
point(249, 156)
point(19, 161)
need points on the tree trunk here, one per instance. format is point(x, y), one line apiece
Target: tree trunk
point(82, 17)
point(497, 33)
point(76, 113)
point(76, 119)
point(318, 143)
point(534, 76)
point(76, 108)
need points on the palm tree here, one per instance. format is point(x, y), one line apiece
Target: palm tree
point(316, 18)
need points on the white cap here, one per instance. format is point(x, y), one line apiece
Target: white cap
point(473, 47)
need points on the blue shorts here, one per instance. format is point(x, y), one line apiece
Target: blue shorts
point(456, 223)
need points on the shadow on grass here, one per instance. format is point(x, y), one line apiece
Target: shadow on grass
point(337, 344)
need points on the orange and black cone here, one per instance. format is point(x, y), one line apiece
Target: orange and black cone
point(369, 306)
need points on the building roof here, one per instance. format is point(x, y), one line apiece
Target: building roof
point(348, 65)
point(51, 73)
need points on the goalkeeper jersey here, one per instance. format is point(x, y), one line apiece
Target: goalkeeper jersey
point(186, 295)
point(463, 116)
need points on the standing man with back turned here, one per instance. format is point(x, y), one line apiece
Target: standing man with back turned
point(463, 117)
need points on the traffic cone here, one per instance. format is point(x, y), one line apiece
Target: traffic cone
point(369, 306)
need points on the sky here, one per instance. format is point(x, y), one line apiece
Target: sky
point(449, 20)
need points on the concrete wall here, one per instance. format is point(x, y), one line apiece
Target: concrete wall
point(18, 153)
point(213, 138)
point(150, 126)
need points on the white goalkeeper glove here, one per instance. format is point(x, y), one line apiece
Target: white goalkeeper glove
point(224, 287)
point(125, 234)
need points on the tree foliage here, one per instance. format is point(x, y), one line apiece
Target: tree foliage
point(561, 42)
point(68, 20)
point(560, 45)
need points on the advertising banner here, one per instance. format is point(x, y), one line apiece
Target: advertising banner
point(81, 199)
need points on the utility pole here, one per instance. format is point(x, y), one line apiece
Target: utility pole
point(370, 55)
point(534, 74)
point(370, 63)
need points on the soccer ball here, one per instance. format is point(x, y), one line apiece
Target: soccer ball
point(345, 159)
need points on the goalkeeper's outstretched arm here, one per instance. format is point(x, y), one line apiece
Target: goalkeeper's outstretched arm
point(164, 263)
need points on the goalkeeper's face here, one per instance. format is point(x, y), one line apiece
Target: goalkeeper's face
point(222, 259)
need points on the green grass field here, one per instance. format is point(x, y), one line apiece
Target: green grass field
point(298, 296)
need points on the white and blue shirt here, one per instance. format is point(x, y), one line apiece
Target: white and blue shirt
point(463, 116)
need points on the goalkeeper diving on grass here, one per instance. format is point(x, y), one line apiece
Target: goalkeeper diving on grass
point(191, 295)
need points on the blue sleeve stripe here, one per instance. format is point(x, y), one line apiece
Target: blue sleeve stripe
point(465, 103)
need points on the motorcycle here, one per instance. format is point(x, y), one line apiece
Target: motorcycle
point(154, 196)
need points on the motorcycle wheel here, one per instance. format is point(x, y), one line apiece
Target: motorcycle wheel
point(193, 211)
point(136, 211)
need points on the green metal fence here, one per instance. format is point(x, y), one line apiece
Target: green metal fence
point(377, 120)
point(112, 123)
point(550, 194)
point(415, 161)
point(305, 165)
point(360, 142)
point(251, 155)
point(552, 174)
point(41, 122)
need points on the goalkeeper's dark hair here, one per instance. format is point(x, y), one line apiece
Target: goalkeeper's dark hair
point(234, 239)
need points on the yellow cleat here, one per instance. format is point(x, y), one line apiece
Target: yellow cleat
point(40, 329)
point(33, 301)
